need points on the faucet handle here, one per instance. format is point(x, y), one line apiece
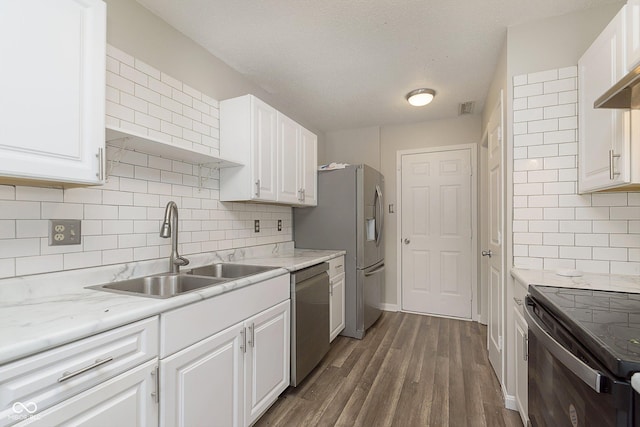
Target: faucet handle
point(180, 260)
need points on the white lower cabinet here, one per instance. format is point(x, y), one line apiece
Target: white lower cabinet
point(336, 297)
point(266, 365)
point(203, 384)
point(232, 376)
point(126, 400)
point(521, 352)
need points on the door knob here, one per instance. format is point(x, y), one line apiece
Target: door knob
point(407, 241)
point(487, 253)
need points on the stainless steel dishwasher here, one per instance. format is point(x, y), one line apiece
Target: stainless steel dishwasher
point(309, 320)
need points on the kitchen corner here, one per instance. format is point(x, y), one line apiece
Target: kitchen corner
point(61, 310)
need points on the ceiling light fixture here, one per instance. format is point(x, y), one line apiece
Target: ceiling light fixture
point(420, 97)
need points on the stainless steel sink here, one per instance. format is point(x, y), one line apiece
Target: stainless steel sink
point(160, 286)
point(229, 271)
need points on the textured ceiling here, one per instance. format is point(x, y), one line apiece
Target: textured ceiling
point(343, 64)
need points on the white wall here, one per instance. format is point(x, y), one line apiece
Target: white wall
point(353, 146)
point(552, 43)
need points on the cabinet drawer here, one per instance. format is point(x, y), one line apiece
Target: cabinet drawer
point(336, 266)
point(52, 376)
point(187, 325)
point(519, 292)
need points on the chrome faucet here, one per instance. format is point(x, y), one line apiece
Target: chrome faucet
point(169, 228)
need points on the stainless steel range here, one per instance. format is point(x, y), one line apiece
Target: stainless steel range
point(584, 348)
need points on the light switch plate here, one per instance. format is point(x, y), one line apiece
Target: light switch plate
point(64, 232)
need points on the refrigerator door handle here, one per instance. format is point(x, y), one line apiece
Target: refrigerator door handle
point(374, 271)
point(379, 215)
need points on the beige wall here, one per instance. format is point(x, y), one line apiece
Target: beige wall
point(460, 130)
point(353, 146)
point(138, 32)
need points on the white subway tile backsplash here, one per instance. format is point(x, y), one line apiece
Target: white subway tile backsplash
point(595, 233)
point(7, 229)
point(591, 239)
point(542, 76)
point(39, 194)
point(26, 228)
point(121, 219)
point(38, 264)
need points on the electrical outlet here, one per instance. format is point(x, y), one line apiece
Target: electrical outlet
point(256, 225)
point(64, 232)
point(279, 225)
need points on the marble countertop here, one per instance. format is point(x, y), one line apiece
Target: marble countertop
point(600, 282)
point(44, 311)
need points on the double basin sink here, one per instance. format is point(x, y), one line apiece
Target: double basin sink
point(169, 285)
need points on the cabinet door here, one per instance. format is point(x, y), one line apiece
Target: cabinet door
point(336, 306)
point(53, 90)
point(289, 185)
point(126, 400)
point(309, 166)
point(203, 384)
point(603, 133)
point(633, 34)
point(521, 355)
point(263, 140)
point(267, 359)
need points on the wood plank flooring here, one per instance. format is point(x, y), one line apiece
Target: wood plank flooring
point(409, 370)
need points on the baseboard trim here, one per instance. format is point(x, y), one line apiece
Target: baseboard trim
point(510, 402)
point(389, 307)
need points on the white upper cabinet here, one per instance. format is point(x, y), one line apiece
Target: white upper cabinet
point(52, 80)
point(633, 34)
point(289, 183)
point(248, 133)
point(279, 154)
point(309, 165)
point(605, 142)
point(297, 163)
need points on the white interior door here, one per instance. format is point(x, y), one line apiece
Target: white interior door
point(436, 232)
point(494, 254)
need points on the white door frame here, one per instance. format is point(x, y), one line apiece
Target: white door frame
point(474, 217)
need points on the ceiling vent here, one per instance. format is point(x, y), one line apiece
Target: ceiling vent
point(466, 108)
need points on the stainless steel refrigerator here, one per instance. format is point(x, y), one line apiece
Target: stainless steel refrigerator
point(350, 216)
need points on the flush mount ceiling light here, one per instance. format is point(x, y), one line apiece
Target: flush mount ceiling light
point(420, 97)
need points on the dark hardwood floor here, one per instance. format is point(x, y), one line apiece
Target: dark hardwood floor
point(409, 370)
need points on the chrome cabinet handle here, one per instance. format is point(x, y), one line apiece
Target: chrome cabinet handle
point(612, 173)
point(68, 375)
point(156, 379)
point(243, 341)
point(252, 342)
point(407, 241)
point(257, 188)
point(525, 347)
point(304, 196)
point(100, 157)
point(487, 253)
point(593, 378)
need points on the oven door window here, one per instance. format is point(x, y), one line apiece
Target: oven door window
point(557, 397)
point(562, 391)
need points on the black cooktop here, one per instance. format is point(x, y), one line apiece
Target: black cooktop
point(607, 323)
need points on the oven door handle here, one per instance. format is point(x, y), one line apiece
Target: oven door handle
point(593, 378)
